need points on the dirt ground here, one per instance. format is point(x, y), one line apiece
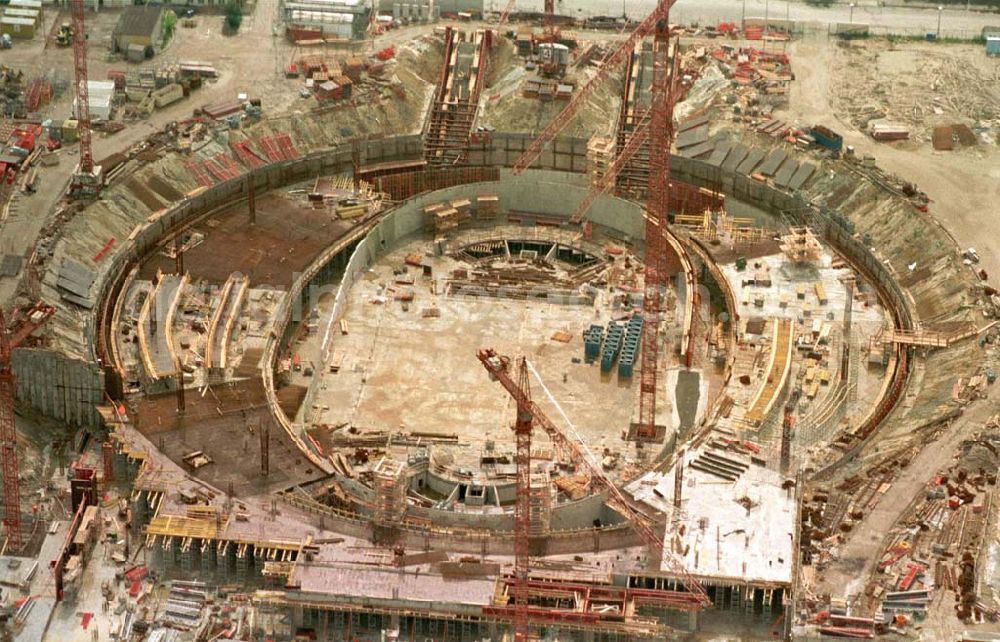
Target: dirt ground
point(964, 185)
point(919, 84)
point(504, 108)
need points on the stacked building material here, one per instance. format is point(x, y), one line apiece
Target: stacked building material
point(185, 605)
point(612, 346)
point(487, 206)
point(630, 349)
point(907, 601)
point(593, 337)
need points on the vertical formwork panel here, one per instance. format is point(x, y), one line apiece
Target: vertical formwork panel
point(212, 558)
point(156, 555)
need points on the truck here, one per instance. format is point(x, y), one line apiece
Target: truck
point(828, 138)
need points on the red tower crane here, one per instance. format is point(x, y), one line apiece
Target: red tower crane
point(619, 55)
point(529, 413)
point(499, 368)
point(87, 179)
point(661, 131)
point(664, 89)
point(505, 14)
point(10, 339)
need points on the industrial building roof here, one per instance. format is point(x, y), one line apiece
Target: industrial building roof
point(139, 21)
point(21, 13)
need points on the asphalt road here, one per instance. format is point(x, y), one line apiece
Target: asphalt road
point(707, 11)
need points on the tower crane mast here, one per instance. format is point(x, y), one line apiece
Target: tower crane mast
point(661, 129)
point(529, 414)
point(87, 179)
point(583, 92)
point(10, 339)
point(498, 366)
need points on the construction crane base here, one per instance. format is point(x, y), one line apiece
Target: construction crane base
point(84, 184)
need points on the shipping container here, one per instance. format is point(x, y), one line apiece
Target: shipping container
point(167, 95)
point(827, 138)
point(885, 131)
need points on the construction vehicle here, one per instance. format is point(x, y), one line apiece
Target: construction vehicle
point(64, 37)
point(552, 59)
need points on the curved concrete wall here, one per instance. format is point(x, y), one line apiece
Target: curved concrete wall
point(541, 191)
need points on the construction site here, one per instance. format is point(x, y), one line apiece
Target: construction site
point(433, 321)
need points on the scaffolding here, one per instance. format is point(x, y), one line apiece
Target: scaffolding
point(390, 497)
point(540, 505)
point(600, 156)
point(800, 245)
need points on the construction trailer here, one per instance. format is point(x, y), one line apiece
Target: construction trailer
point(400, 8)
point(24, 12)
point(993, 46)
point(35, 5)
point(414, 11)
point(100, 99)
point(19, 28)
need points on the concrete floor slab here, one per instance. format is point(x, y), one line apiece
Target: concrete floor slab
point(403, 371)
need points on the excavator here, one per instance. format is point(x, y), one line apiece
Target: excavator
point(64, 37)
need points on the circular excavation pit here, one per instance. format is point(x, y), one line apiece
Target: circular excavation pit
point(402, 372)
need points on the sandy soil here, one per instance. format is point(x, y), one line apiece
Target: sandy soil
point(964, 185)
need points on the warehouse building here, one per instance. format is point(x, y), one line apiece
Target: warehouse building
point(416, 8)
point(329, 19)
point(138, 28)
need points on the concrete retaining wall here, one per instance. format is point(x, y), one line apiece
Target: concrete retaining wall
point(59, 387)
point(41, 373)
point(541, 191)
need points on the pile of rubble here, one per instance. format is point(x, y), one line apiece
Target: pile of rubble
point(916, 86)
point(761, 80)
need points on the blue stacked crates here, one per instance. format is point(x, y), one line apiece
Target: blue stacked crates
point(612, 344)
point(593, 337)
point(630, 347)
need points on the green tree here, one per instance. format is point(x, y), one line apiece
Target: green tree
point(234, 16)
point(169, 23)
